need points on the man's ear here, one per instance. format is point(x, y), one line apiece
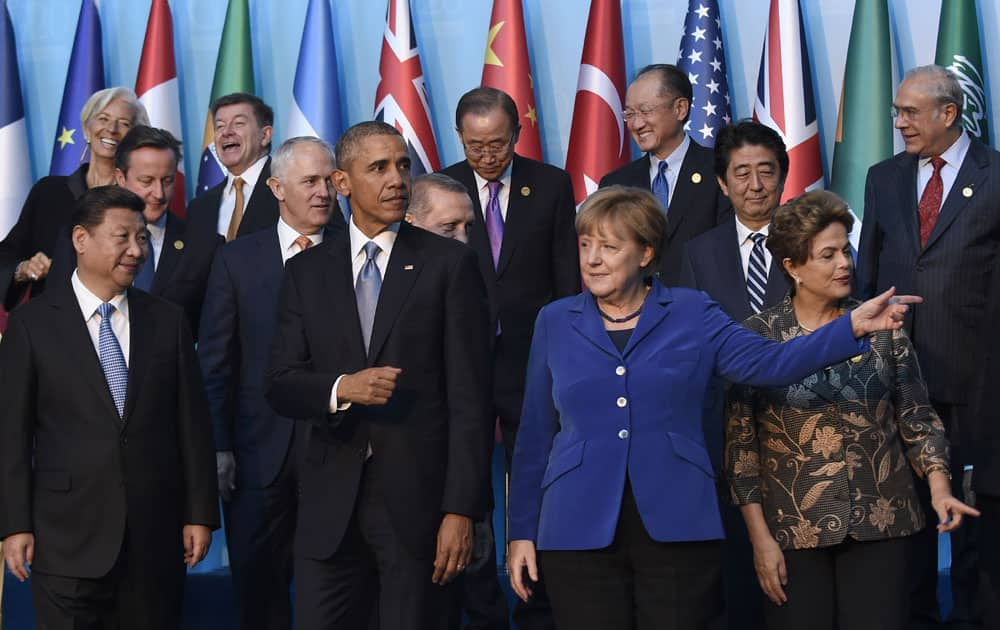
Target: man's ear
point(79, 237)
point(341, 182)
point(120, 177)
point(275, 185)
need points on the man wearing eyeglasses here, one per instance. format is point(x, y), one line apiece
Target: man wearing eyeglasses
point(932, 227)
point(678, 171)
point(525, 239)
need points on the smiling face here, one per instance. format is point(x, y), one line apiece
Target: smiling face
point(826, 274)
point(151, 174)
point(928, 128)
point(106, 128)
point(305, 196)
point(109, 255)
point(657, 120)
point(753, 184)
point(611, 264)
point(377, 181)
point(239, 139)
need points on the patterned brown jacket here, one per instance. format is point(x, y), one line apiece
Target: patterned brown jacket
point(829, 457)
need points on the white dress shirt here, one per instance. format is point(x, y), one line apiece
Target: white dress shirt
point(674, 161)
point(482, 185)
point(953, 158)
point(228, 202)
point(157, 232)
point(746, 246)
point(119, 317)
point(286, 240)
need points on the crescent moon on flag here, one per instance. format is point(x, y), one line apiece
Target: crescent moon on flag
point(593, 79)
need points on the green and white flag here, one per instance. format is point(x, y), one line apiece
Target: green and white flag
point(958, 50)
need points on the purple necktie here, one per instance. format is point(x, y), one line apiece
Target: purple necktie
point(494, 221)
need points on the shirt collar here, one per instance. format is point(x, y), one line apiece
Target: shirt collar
point(385, 239)
point(249, 176)
point(743, 232)
point(481, 183)
point(953, 155)
point(89, 302)
point(675, 159)
point(287, 235)
point(157, 228)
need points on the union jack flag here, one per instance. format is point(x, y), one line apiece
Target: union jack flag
point(785, 97)
point(703, 59)
point(401, 98)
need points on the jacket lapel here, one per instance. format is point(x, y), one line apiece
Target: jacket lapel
point(684, 190)
point(142, 332)
point(338, 297)
point(906, 200)
point(730, 270)
point(402, 271)
point(970, 177)
point(587, 321)
point(515, 223)
point(777, 285)
point(169, 255)
point(654, 309)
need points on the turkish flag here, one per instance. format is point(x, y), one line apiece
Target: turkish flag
point(157, 88)
point(598, 143)
point(507, 67)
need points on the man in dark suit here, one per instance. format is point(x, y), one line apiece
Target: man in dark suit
point(677, 170)
point(732, 265)
point(441, 205)
point(256, 460)
point(242, 204)
point(932, 227)
point(107, 479)
point(382, 346)
point(179, 258)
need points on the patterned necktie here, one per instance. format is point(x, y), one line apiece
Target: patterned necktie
point(237, 218)
point(304, 242)
point(366, 291)
point(494, 221)
point(112, 358)
point(661, 188)
point(757, 273)
point(930, 202)
point(144, 279)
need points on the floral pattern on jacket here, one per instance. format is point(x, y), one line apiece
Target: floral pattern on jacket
point(830, 456)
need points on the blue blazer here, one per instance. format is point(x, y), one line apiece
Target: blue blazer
point(591, 413)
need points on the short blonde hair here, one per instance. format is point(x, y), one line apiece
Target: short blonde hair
point(102, 98)
point(632, 213)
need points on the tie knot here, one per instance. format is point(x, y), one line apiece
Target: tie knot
point(238, 183)
point(371, 250)
point(304, 242)
point(758, 238)
point(663, 168)
point(105, 310)
point(937, 162)
point(494, 188)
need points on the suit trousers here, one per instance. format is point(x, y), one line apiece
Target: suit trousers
point(989, 566)
point(636, 582)
point(849, 586)
point(480, 597)
point(372, 572)
point(129, 596)
point(260, 527)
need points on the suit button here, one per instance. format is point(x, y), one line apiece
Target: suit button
point(124, 440)
point(622, 402)
point(620, 370)
point(623, 434)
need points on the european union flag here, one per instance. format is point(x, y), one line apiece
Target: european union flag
point(85, 76)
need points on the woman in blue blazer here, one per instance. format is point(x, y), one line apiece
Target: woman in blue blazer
point(611, 481)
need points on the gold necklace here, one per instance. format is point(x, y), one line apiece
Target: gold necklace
point(806, 329)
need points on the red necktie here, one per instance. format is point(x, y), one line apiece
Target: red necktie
point(930, 202)
point(304, 242)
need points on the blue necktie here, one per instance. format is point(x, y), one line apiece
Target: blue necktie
point(112, 358)
point(144, 279)
point(660, 186)
point(757, 273)
point(366, 291)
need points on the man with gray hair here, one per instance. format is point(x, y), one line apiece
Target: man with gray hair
point(440, 204)
point(255, 448)
point(932, 228)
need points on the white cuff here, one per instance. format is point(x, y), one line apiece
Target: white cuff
point(334, 406)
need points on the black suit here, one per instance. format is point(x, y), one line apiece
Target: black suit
point(106, 498)
point(429, 443)
point(260, 213)
point(712, 263)
point(695, 206)
point(953, 274)
point(181, 272)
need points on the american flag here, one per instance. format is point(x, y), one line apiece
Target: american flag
point(702, 57)
point(785, 97)
point(401, 98)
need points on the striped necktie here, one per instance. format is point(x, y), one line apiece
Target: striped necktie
point(757, 273)
point(112, 358)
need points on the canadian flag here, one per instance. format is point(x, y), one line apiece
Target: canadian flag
point(598, 143)
point(156, 85)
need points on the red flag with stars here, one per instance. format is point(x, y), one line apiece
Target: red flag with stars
point(598, 143)
point(507, 67)
point(401, 98)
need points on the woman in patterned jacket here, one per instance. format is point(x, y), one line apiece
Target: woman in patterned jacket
point(821, 468)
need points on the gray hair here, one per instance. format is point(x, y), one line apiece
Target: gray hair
point(102, 98)
point(425, 185)
point(945, 88)
point(282, 158)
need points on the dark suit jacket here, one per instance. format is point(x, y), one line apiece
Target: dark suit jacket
point(261, 209)
point(986, 405)
point(238, 323)
point(46, 211)
point(74, 474)
point(431, 442)
point(539, 261)
point(712, 263)
point(695, 207)
point(952, 273)
point(181, 273)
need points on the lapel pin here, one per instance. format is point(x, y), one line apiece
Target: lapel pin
point(696, 178)
point(179, 245)
point(967, 192)
point(407, 267)
point(525, 191)
point(857, 358)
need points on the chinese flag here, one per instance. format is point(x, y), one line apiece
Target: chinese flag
point(598, 143)
point(507, 67)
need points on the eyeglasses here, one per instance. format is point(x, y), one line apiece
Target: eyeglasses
point(497, 147)
point(646, 112)
point(909, 114)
